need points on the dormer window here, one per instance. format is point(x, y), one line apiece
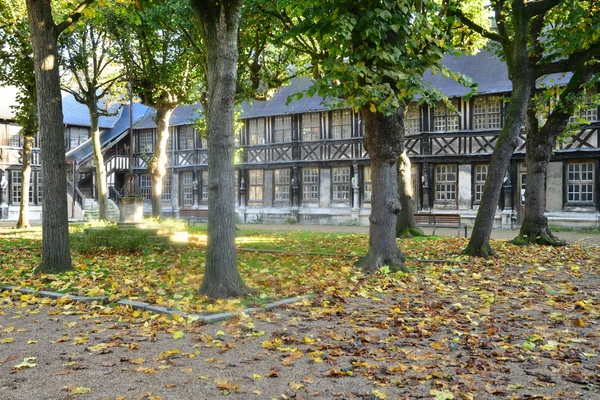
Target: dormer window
point(444, 118)
point(486, 112)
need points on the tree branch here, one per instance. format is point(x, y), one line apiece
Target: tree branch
point(73, 17)
point(575, 61)
point(534, 8)
point(478, 28)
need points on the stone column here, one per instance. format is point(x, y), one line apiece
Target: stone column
point(3, 194)
point(175, 195)
point(195, 189)
point(242, 209)
point(425, 186)
point(355, 196)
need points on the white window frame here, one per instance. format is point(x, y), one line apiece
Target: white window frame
point(445, 120)
point(487, 112)
point(367, 183)
point(580, 182)
point(481, 172)
point(282, 129)
point(256, 180)
point(412, 119)
point(187, 184)
point(445, 183)
point(310, 184)
point(146, 186)
point(186, 137)
point(256, 131)
point(282, 179)
point(341, 124)
point(341, 178)
point(204, 192)
point(146, 138)
point(311, 127)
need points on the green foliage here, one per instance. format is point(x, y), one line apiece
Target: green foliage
point(128, 240)
point(372, 53)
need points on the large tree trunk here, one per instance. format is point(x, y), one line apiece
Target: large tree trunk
point(383, 141)
point(23, 222)
point(540, 147)
point(56, 254)
point(405, 222)
point(158, 161)
point(101, 185)
point(219, 23)
point(522, 77)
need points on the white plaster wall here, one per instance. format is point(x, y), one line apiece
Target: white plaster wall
point(554, 189)
point(465, 192)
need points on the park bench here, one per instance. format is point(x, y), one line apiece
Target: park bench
point(431, 220)
point(193, 216)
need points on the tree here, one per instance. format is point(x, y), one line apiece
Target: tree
point(17, 69)
point(371, 55)
point(56, 254)
point(89, 57)
point(219, 22)
point(155, 46)
point(520, 28)
point(405, 221)
point(540, 143)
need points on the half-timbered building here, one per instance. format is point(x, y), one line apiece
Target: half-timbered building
point(303, 161)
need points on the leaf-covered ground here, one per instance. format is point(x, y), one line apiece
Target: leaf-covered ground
point(523, 325)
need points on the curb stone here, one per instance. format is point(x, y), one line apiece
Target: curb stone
point(140, 305)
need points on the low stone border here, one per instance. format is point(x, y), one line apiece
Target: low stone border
point(140, 305)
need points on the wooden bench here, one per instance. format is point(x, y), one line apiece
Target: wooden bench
point(435, 221)
point(193, 216)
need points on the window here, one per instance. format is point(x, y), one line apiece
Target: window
point(77, 136)
point(146, 186)
point(445, 183)
point(204, 195)
point(40, 187)
point(341, 124)
point(166, 187)
point(367, 184)
point(256, 131)
point(146, 141)
point(282, 184)
point(255, 192)
point(486, 112)
point(310, 184)
point(187, 182)
point(283, 129)
point(588, 112)
point(186, 137)
point(341, 183)
point(580, 183)
point(311, 126)
point(444, 119)
point(412, 120)
point(17, 184)
point(14, 138)
point(481, 172)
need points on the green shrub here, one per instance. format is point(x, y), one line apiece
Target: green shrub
point(98, 240)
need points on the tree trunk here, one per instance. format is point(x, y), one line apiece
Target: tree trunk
point(101, 185)
point(56, 254)
point(522, 77)
point(219, 23)
point(405, 222)
point(383, 141)
point(23, 222)
point(540, 147)
point(158, 161)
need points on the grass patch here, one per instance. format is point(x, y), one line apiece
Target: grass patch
point(172, 277)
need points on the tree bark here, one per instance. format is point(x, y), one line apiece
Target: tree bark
point(405, 222)
point(101, 185)
point(522, 76)
point(383, 142)
point(56, 254)
point(540, 147)
point(157, 164)
point(23, 222)
point(219, 25)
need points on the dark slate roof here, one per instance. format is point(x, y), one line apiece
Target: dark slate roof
point(277, 104)
point(7, 98)
point(119, 129)
point(484, 68)
point(75, 113)
point(182, 115)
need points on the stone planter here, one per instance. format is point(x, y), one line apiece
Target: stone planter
point(132, 210)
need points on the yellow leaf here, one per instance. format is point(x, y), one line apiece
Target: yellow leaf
point(295, 386)
point(372, 108)
point(80, 390)
point(257, 377)
point(32, 342)
point(178, 335)
point(28, 362)
point(578, 322)
point(441, 394)
point(379, 394)
point(138, 360)
point(7, 340)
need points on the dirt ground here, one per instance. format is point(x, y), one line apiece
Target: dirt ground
point(527, 332)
